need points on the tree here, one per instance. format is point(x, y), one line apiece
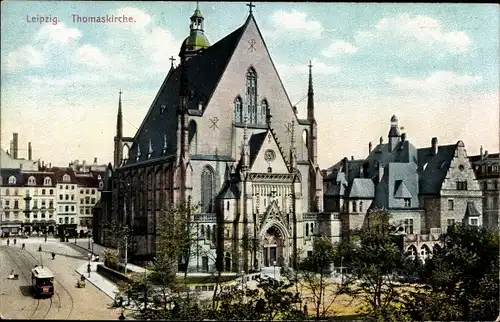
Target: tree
point(158, 293)
point(461, 280)
point(314, 274)
point(376, 263)
point(271, 300)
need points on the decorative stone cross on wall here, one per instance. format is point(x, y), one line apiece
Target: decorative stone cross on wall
point(214, 121)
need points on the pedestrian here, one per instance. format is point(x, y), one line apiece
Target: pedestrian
point(82, 278)
point(23, 246)
point(8, 242)
point(15, 241)
point(53, 255)
point(88, 269)
point(45, 238)
point(40, 248)
point(121, 317)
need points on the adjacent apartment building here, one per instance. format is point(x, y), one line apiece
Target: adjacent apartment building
point(487, 167)
point(425, 189)
point(45, 199)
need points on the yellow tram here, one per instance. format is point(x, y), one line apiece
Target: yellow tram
point(42, 281)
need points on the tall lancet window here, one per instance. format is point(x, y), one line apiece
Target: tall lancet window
point(263, 111)
point(252, 95)
point(207, 188)
point(238, 110)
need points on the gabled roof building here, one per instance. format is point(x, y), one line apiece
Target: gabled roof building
point(426, 190)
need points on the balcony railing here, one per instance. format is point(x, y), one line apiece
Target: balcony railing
point(206, 217)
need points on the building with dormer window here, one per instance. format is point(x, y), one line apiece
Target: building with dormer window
point(426, 190)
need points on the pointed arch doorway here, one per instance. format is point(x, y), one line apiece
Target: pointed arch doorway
point(273, 244)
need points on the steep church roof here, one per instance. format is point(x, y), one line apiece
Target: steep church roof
point(203, 74)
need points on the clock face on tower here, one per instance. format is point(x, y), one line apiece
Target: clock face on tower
point(269, 155)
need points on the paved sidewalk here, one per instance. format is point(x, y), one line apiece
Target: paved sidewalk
point(99, 281)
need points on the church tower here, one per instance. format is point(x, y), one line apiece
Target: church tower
point(196, 42)
point(183, 169)
point(118, 153)
point(316, 181)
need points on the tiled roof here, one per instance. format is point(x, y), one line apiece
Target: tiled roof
point(433, 168)
point(401, 191)
point(254, 144)
point(338, 187)
point(471, 210)
point(203, 74)
point(362, 188)
point(7, 173)
point(39, 177)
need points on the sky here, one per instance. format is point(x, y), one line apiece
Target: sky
point(436, 66)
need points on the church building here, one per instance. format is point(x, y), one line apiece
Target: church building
point(222, 134)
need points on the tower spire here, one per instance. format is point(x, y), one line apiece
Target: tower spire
point(119, 117)
point(310, 96)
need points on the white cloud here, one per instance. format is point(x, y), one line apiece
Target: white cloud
point(92, 56)
point(424, 32)
point(296, 21)
point(26, 56)
point(319, 68)
point(161, 45)
point(339, 47)
point(437, 80)
point(59, 34)
point(141, 18)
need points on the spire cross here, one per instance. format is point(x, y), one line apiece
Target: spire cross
point(120, 92)
point(172, 59)
point(310, 65)
point(250, 6)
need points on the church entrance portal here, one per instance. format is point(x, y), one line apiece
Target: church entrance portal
point(273, 247)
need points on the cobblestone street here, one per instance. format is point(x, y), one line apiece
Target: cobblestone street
point(68, 303)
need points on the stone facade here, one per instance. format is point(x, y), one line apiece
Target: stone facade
point(426, 190)
point(486, 167)
point(229, 148)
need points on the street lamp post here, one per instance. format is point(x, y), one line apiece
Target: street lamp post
point(243, 284)
point(342, 270)
point(274, 264)
point(89, 243)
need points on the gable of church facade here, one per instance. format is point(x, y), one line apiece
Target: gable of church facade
point(249, 53)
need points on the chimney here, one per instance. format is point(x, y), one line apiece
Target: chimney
point(381, 140)
point(403, 137)
point(481, 151)
point(352, 157)
point(95, 160)
point(43, 165)
point(15, 142)
point(29, 151)
point(345, 167)
point(369, 147)
point(486, 154)
point(11, 148)
point(50, 165)
point(434, 146)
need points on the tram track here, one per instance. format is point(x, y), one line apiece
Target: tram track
point(27, 277)
point(56, 292)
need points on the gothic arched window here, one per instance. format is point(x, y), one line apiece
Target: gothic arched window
point(307, 229)
point(207, 187)
point(238, 110)
point(263, 111)
point(31, 181)
point(208, 232)
point(252, 96)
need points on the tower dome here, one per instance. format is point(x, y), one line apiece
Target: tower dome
point(196, 40)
